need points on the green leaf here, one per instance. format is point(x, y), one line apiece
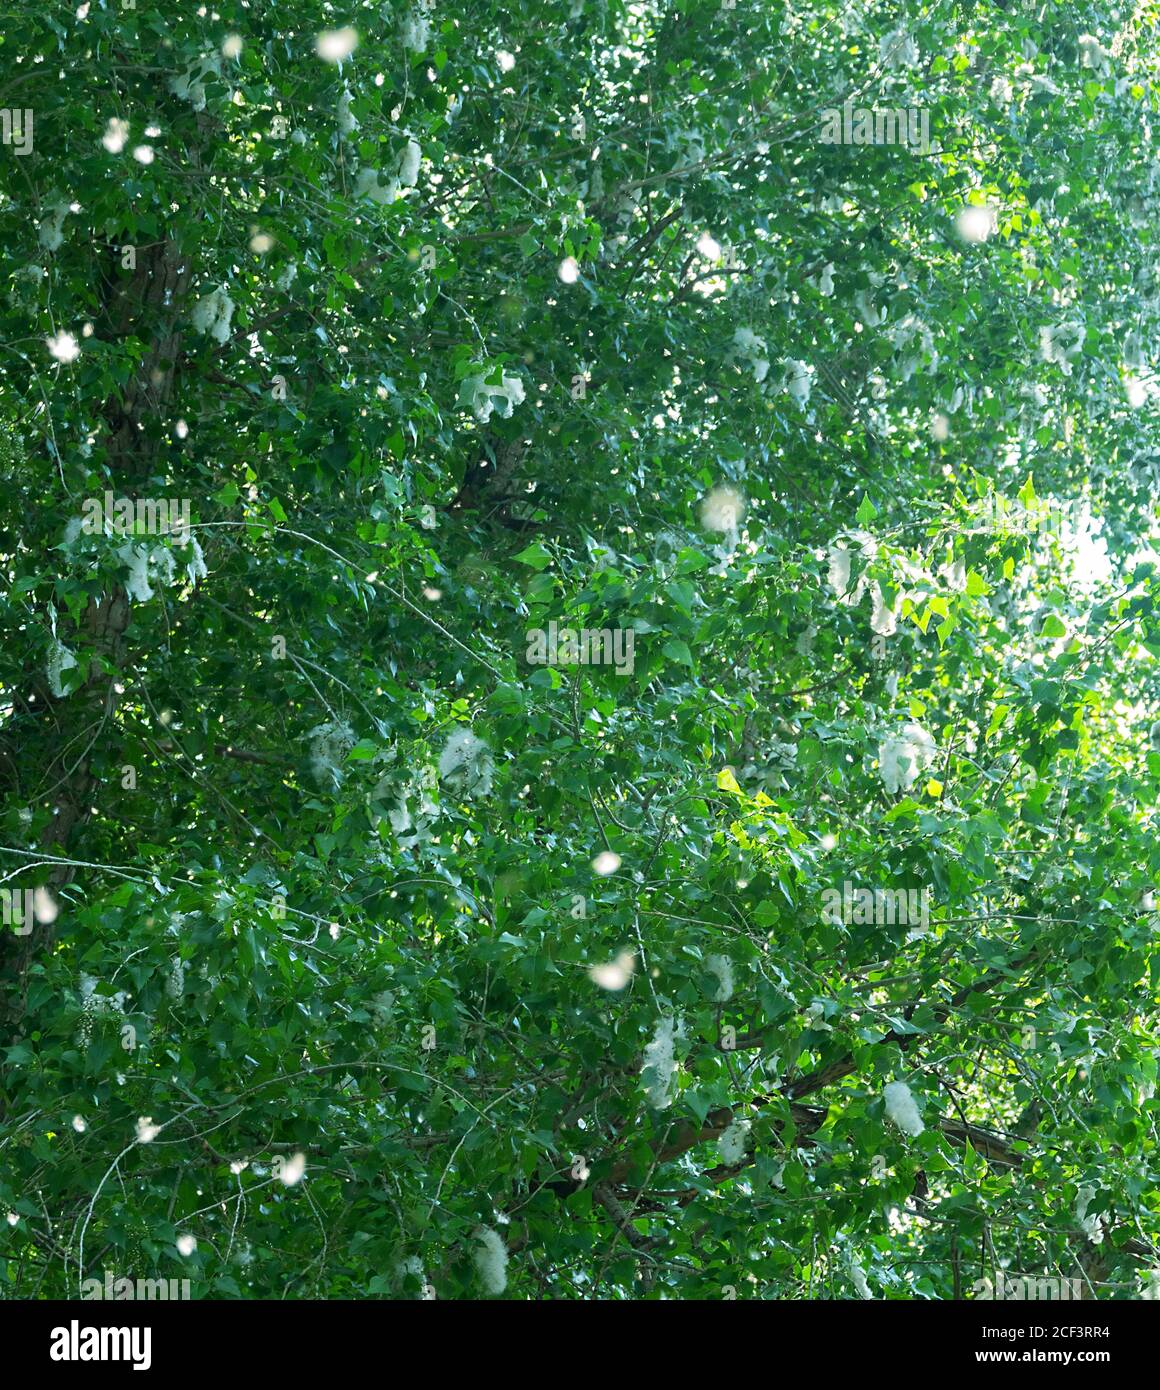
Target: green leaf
point(534, 555)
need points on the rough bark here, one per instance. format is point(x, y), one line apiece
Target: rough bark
point(59, 737)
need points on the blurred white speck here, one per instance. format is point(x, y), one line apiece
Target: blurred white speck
point(64, 347)
point(291, 1171)
point(333, 45)
point(975, 223)
point(616, 973)
point(44, 906)
point(115, 136)
point(722, 510)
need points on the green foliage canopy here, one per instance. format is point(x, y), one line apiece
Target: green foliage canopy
point(563, 312)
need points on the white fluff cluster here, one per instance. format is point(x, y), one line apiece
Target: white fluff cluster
point(798, 380)
point(722, 968)
point(406, 799)
point(329, 745)
point(399, 815)
point(897, 50)
point(904, 335)
point(883, 620)
point(733, 1143)
point(483, 396)
point(901, 1108)
point(1092, 54)
point(212, 314)
point(1135, 388)
point(839, 573)
point(902, 756)
point(491, 1260)
point(347, 122)
point(660, 1064)
point(175, 984)
point(1040, 82)
point(383, 1006)
point(750, 349)
point(412, 1264)
point(1092, 1226)
point(1001, 91)
point(416, 33)
point(409, 163)
point(722, 510)
point(867, 310)
point(51, 232)
point(94, 1005)
point(195, 566)
point(954, 573)
point(1061, 343)
point(826, 280)
point(190, 85)
point(839, 556)
point(137, 558)
point(858, 1277)
point(466, 764)
point(371, 184)
point(148, 565)
point(24, 284)
point(60, 660)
